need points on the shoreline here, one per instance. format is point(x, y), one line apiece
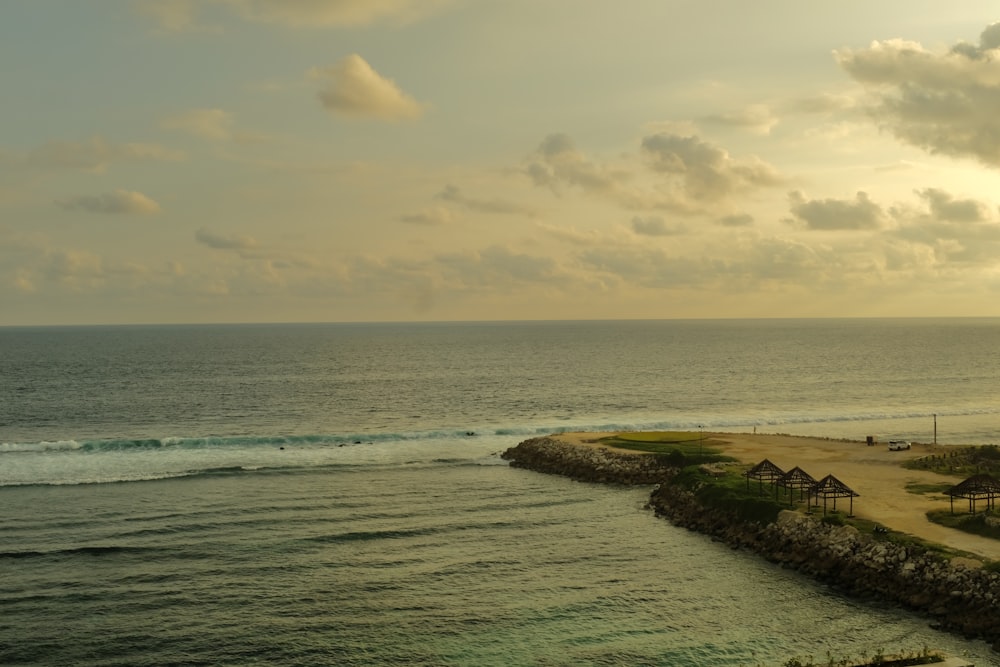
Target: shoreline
point(956, 593)
point(875, 473)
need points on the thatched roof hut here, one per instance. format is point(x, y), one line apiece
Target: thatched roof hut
point(977, 487)
point(796, 478)
point(763, 471)
point(831, 487)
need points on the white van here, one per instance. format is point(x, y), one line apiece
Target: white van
point(896, 445)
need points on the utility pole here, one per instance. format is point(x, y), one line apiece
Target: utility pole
point(935, 428)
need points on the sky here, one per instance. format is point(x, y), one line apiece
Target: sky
point(189, 161)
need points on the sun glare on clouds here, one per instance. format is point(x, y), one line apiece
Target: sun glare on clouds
point(443, 160)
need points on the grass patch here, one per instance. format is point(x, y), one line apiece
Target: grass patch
point(658, 437)
point(728, 492)
point(963, 461)
point(984, 524)
point(679, 448)
point(924, 489)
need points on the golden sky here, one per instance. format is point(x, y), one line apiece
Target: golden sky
point(393, 160)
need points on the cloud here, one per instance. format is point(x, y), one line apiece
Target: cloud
point(76, 270)
point(837, 214)
point(452, 194)
point(119, 202)
point(690, 176)
point(558, 161)
point(706, 172)
point(332, 13)
point(789, 262)
point(942, 102)
point(352, 88)
point(496, 268)
point(178, 15)
point(657, 226)
point(642, 266)
point(756, 118)
point(435, 216)
point(214, 124)
point(170, 15)
point(954, 230)
point(95, 154)
point(218, 242)
point(945, 207)
point(823, 103)
point(736, 220)
point(582, 238)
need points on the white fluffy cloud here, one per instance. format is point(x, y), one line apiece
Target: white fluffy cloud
point(558, 161)
point(943, 102)
point(837, 214)
point(119, 202)
point(707, 172)
point(689, 176)
point(353, 88)
point(950, 229)
point(944, 206)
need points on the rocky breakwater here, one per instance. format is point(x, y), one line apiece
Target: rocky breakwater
point(957, 594)
point(586, 463)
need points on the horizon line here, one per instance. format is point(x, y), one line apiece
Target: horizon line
point(497, 321)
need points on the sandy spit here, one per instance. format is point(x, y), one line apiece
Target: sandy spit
point(874, 472)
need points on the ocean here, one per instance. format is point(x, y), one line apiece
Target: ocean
point(332, 494)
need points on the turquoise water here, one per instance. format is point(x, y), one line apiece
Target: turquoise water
point(333, 495)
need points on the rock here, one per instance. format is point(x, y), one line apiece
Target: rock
point(956, 595)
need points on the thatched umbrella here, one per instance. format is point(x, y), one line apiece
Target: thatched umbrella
point(796, 478)
point(831, 487)
point(765, 470)
point(977, 487)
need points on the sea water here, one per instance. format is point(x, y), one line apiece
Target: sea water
point(333, 494)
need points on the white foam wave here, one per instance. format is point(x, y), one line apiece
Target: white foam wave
point(45, 446)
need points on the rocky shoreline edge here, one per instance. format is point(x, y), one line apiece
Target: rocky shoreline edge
point(956, 594)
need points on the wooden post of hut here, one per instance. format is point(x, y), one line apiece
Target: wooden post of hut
point(977, 487)
point(831, 487)
point(796, 478)
point(765, 470)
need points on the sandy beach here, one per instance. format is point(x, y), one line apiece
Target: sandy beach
point(873, 472)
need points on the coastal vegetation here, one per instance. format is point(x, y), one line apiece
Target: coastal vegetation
point(984, 524)
point(713, 478)
point(678, 448)
point(716, 498)
point(878, 659)
point(727, 490)
point(965, 461)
